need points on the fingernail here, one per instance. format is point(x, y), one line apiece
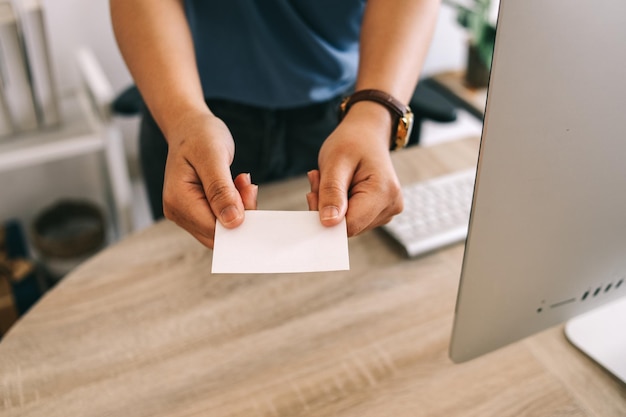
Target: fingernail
point(249, 178)
point(329, 213)
point(229, 215)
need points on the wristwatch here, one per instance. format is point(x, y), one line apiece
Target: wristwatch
point(401, 130)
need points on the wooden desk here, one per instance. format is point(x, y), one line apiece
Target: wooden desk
point(144, 329)
point(471, 99)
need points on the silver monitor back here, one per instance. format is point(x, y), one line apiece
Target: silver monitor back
point(547, 237)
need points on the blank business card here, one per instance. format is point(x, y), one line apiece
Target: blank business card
point(280, 241)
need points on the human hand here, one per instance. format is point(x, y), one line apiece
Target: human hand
point(356, 178)
point(198, 189)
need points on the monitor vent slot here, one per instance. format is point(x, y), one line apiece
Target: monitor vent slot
point(602, 289)
point(589, 294)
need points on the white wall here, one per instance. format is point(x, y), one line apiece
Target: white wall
point(448, 47)
point(76, 23)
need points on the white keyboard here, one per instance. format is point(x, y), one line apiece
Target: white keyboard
point(436, 213)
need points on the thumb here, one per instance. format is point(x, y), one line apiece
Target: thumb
point(222, 195)
point(225, 202)
point(333, 194)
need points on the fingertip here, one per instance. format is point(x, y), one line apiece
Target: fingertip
point(314, 179)
point(254, 193)
point(311, 199)
point(208, 242)
point(231, 217)
point(334, 184)
point(243, 180)
point(352, 229)
point(330, 215)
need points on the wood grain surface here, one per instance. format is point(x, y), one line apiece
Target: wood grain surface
point(144, 329)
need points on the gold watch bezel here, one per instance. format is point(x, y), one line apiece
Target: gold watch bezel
point(403, 132)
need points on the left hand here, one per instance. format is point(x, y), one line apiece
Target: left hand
point(356, 178)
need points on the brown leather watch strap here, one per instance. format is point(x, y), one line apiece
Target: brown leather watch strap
point(394, 105)
point(402, 116)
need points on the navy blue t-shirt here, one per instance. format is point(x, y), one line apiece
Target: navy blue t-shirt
point(276, 53)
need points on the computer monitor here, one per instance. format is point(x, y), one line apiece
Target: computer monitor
point(547, 235)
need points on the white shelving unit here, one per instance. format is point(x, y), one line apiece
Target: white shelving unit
point(86, 129)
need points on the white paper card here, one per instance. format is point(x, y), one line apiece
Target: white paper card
point(280, 241)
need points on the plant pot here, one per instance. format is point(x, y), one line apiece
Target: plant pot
point(477, 73)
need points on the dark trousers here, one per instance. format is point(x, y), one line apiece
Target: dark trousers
point(269, 144)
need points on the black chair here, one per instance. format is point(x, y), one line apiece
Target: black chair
point(128, 102)
point(428, 103)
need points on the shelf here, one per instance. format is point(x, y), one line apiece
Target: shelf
point(82, 131)
point(76, 136)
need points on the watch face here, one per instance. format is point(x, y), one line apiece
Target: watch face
point(343, 107)
point(405, 126)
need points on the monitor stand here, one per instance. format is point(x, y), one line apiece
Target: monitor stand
point(600, 335)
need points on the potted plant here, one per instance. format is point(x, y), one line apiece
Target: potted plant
point(479, 20)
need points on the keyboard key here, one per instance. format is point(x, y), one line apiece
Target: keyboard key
point(436, 213)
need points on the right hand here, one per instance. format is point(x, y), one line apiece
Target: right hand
point(198, 189)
